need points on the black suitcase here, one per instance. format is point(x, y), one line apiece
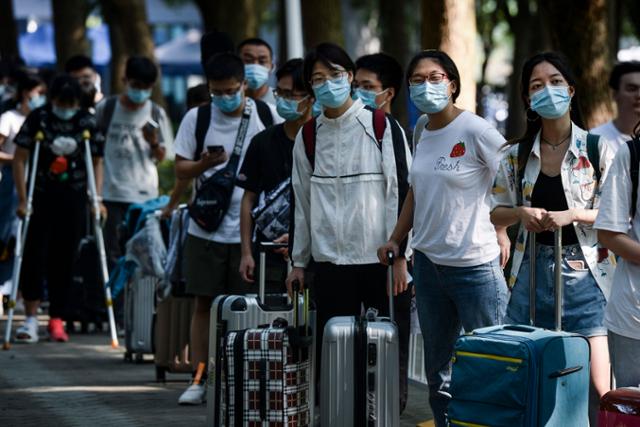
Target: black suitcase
point(86, 294)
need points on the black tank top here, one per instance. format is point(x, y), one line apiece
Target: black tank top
point(548, 193)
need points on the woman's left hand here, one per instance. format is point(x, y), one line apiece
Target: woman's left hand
point(553, 220)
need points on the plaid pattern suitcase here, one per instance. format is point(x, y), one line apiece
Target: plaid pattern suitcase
point(266, 378)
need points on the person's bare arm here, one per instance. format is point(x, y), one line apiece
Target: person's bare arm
point(190, 169)
point(247, 263)
point(621, 244)
point(20, 158)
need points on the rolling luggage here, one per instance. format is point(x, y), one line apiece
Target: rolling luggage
point(267, 373)
point(239, 312)
point(360, 364)
point(139, 316)
point(86, 293)
point(620, 408)
point(520, 375)
point(171, 339)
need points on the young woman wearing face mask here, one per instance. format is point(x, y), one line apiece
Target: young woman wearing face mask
point(457, 260)
point(59, 206)
point(31, 91)
point(347, 194)
point(558, 188)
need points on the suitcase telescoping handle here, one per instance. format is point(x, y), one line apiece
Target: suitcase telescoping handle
point(305, 307)
point(262, 275)
point(558, 288)
point(391, 259)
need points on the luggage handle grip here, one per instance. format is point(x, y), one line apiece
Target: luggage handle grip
point(520, 328)
point(564, 372)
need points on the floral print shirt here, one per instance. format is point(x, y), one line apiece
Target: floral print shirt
point(581, 190)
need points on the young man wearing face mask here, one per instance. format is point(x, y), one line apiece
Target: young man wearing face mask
point(625, 86)
point(268, 164)
point(58, 219)
point(212, 259)
point(81, 68)
point(378, 79)
point(136, 131)
point(257, 56)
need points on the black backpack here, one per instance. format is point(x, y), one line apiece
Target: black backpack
point(634, 170)
point(204, 118)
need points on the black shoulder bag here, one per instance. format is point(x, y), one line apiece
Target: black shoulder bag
point(213, 195)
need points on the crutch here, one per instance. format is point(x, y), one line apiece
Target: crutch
point(558, 288)
point(93, 192)
point(21, 237)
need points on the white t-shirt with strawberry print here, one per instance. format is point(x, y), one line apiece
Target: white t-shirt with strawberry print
point(452, 175)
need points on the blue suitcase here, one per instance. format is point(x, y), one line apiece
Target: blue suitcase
point(520, 375)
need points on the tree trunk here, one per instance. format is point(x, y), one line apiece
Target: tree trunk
point(580, 31)
point(450, 25)
point(8, 31)
point(321, 22)
point(395, 42)
point(69, 17)
point(129, 34)
point(238, 18)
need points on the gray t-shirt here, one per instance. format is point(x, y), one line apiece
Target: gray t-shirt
point(130, 173)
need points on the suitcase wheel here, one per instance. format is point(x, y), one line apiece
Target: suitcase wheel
point(139, 358)
point(161, 374)
point(127, 357)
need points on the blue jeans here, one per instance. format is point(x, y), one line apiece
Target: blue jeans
point(451, 298)
point(583, 303)
point(625, 354)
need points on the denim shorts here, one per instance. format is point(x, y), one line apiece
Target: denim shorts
point(583, 301)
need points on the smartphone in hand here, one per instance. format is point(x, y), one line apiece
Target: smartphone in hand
point(151, 126)
point(215, 149)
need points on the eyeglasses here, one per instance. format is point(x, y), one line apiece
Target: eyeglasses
point(225, 91)
point(289, 94)
point(431, 78)
point(319, 79)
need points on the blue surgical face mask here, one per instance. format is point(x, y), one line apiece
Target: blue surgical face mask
point(64, 113)
point(256, 75)
point(333, 93)
point(551, 102)
point(288, 108)
point(36, 102)
point(316, 109)
point(368, 97)
point(138, 96)
point(430, 98)
point(227, 103)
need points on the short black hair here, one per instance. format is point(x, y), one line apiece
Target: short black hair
point(65, 89)
point(386, 68)
point(27, 82)
point(78, 62)
point(256, 41)
point(212, 43)
point(445, 62)
point(224, 66)
point(330, 54)
point(619, 70)
point(198, 95)
point(142, 69)
point(293, 68)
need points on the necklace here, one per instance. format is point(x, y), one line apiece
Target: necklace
point(556, 145)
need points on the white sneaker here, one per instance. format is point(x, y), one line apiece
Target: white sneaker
point(28, 332)
point(195, 394)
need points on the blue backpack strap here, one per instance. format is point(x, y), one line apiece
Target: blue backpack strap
point(593, 153)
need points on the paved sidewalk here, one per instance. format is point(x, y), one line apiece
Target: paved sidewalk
point(86, 383)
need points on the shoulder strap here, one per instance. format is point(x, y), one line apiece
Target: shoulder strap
point(634, 170)
point(202, 126)
point(417, 131)
point(593, 152)
point(309, 139)
point(264, 112)
point(107, 114)
point(155, 112)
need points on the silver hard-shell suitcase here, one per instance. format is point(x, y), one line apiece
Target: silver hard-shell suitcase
point(238, 312)
point(360, 359)
point(139, 316)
